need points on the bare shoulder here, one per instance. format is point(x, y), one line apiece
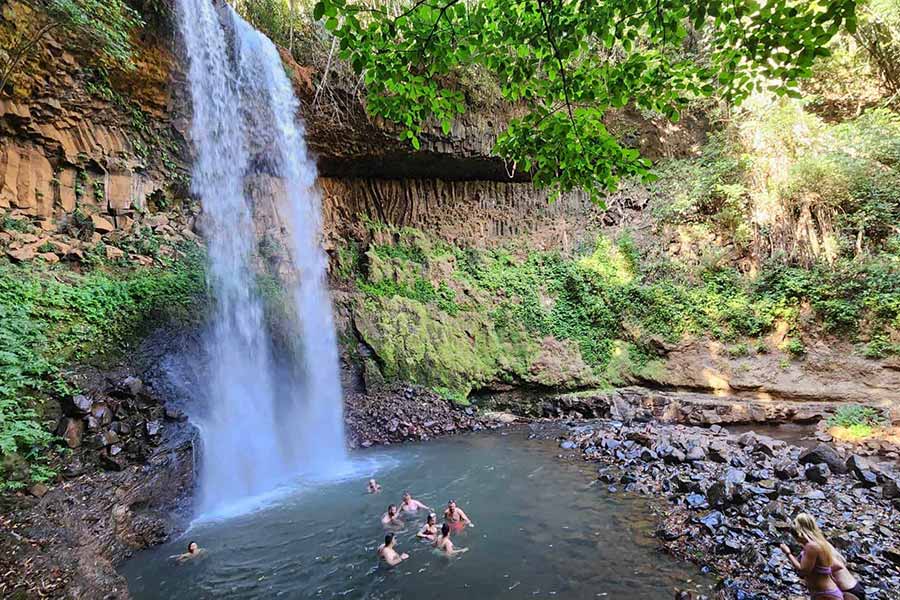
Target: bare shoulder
point(812, 548)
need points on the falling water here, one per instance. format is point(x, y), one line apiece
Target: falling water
point(267, 418)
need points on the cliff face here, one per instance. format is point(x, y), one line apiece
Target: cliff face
point(88, 161)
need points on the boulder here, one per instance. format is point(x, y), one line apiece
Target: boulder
point(78, 406)
point(134, 385)
point(696, 501)
point(71, 430)
point(818, 473)
point(38, 490)
point(824, 454)
point(713, 520)
point(108, 438)
point(22, 254)
point(696, 453)
point(101, 224)
point(153, 429)
point(786, 470)
point(862, 470)
point(890, 489)
point(102, 413)
point(113, 253)
point(174, 414)
point(733, 476)
point(748, 439)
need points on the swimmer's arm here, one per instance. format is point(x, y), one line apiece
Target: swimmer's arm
point(423, 534)
point(466, 518)
point(422, 505)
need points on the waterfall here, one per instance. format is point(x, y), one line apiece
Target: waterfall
point(266, 420)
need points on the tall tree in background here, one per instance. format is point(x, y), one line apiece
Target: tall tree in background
point(570, 61)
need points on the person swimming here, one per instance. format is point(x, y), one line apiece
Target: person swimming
point(455, 515)
point(430, 529)
point(392, 516)
point(387, 552)
point(817, 561)
point(411, 505)
point(193, 551)
point(373, 487)
point(444, 544)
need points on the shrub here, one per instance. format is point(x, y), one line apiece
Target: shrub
point(860, 421)
point(51, 318)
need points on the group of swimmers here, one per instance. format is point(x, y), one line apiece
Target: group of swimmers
point(820, 565)
point(455, 518)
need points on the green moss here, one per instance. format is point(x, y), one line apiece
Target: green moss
point(418, 345)
point(461, 317)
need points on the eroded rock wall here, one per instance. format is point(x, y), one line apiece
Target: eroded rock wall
point(468, 213)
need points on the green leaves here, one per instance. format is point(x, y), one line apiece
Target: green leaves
point(50, 319)
point(566, 63)
point(104, 26)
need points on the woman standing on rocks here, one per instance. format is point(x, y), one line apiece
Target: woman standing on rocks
point(820, 564)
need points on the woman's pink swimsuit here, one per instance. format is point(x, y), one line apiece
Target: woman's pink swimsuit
point(821, 570)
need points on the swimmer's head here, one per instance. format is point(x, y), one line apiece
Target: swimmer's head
point(451, 504)
point(389, 540)
point(431, 519)
point(372, 482)
point(193, 547)
point(445, 530)
point(407, 496)
point(392, 509)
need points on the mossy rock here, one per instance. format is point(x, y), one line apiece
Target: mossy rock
point(421, 344)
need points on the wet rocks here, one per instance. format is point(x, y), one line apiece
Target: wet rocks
point(115, 493)
point(407, 413)
point(78, 406)
point(730, 509)
point(818, 473)
point(890, 489)
point(823, 454)
point(786, 470)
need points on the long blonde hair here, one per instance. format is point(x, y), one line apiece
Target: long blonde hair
point(808, 531)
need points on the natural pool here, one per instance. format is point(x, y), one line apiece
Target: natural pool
point(544, 528)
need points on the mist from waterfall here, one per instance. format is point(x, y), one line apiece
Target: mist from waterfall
point(266, 420)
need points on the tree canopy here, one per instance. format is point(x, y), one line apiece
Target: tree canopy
point(568, 62)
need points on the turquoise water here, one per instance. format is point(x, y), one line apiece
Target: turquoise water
point(544, 528)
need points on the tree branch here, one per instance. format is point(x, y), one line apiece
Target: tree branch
point(23, 51)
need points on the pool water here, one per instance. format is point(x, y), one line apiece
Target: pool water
point(544, 528)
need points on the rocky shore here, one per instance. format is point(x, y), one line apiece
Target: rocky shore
point(126, 478)
point(729, 500)
point(407, 413)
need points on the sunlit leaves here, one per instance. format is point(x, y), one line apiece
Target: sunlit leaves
point(568, 62)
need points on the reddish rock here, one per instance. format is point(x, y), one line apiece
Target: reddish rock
point(101, 224)
point(22, 254)
point(72, 431)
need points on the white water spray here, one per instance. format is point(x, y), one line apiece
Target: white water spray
point(265, 421)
